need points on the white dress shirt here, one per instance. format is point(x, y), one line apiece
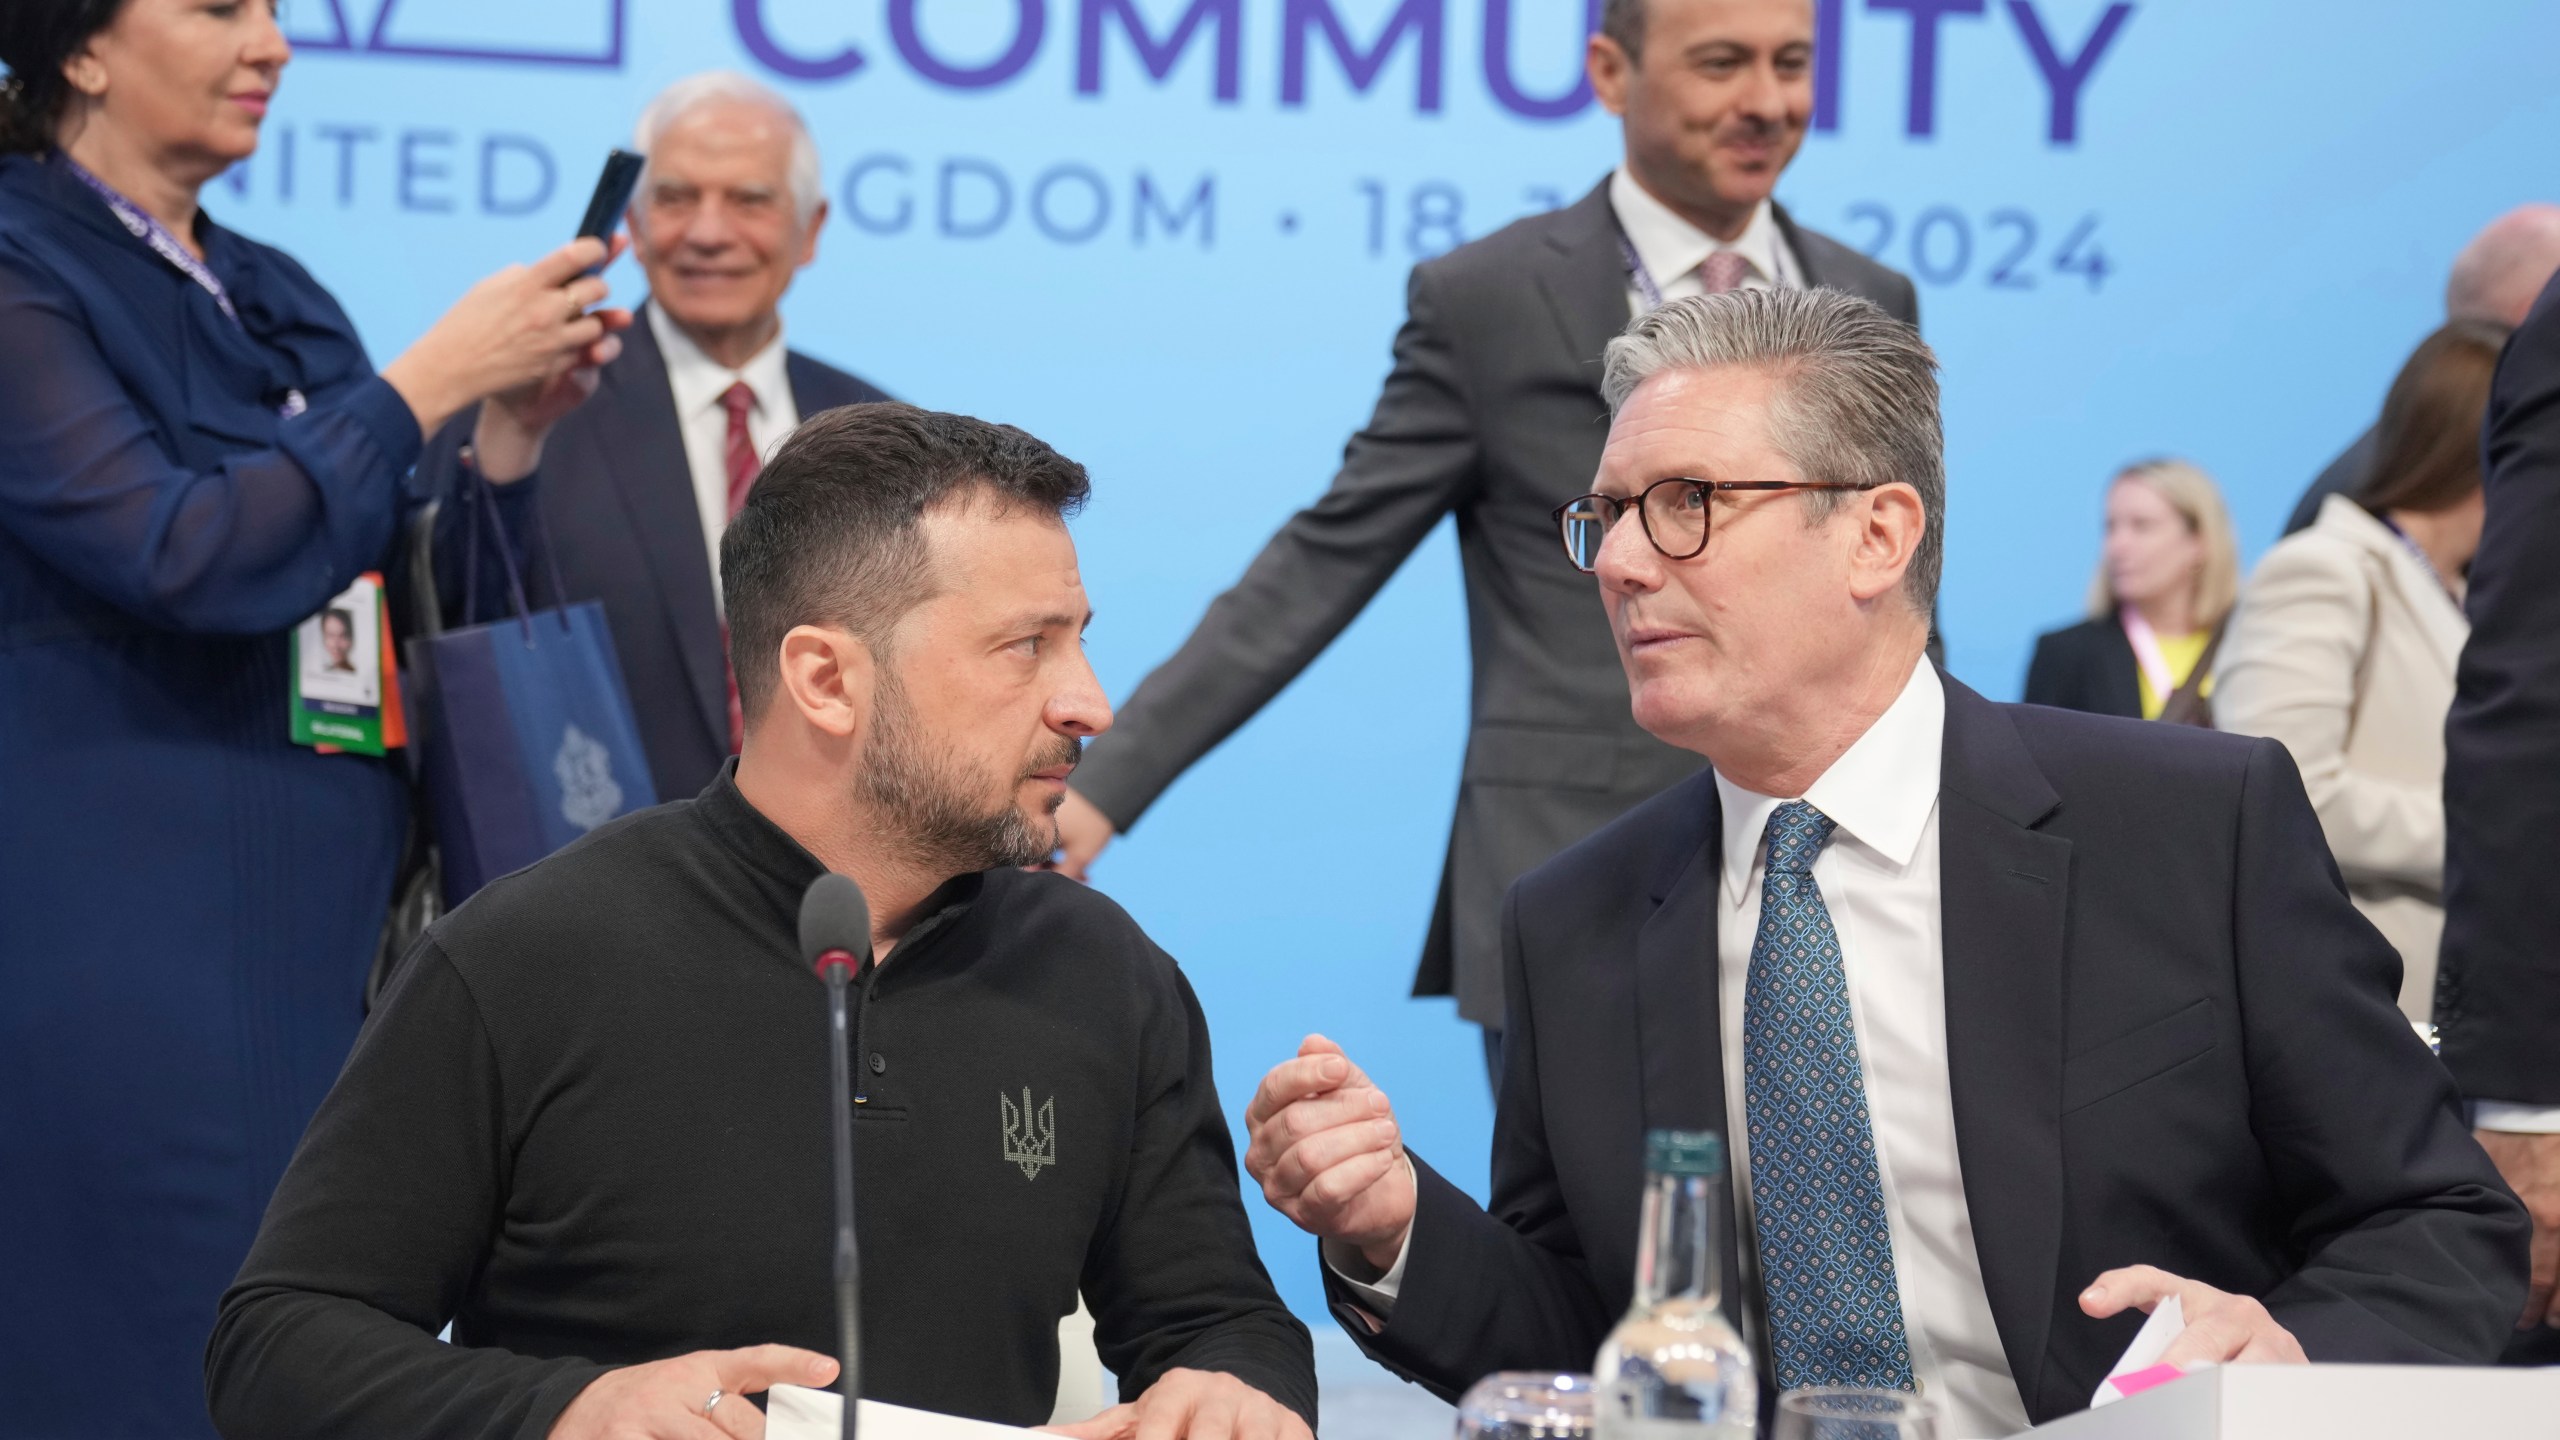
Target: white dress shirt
point(1879, 878)
point(698, 382)
point(1672, 249)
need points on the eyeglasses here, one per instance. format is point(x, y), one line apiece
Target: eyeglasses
point(1673, 512)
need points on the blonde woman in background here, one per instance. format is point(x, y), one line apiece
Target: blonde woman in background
point(2345, 642)
point(2165, 581)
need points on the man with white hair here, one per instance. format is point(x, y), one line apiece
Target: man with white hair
point(2494, 279)
point(637, 490)
point(2018, 1022)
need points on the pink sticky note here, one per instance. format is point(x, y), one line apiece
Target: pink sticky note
point(2141, 1380)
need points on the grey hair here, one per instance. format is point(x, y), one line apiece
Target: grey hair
point(1856, 401)
point(711, 86)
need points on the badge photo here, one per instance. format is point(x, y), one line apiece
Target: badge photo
point(339, 657)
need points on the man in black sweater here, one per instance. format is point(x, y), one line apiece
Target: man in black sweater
point(588, 1126)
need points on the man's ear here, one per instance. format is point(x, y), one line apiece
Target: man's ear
point(809, 242)
point(1611, 72)
point(827, 676)
point(1890, 526)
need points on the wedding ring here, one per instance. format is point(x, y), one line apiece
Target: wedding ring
point(716, 1397)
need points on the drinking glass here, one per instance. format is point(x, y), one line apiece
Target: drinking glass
point(1527, 1405)
point(1842, 1413)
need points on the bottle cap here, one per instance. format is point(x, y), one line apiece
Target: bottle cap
point(1684, 1152)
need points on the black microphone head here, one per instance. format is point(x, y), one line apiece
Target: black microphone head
point(833, 917)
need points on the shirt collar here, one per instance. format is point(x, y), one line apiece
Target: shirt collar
point(698, 381)
point(1671, 247)
point(1879, 792)
point(784, 868)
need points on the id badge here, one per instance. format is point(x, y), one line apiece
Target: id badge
point(345, 687)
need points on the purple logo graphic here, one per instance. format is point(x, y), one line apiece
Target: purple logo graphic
point(482, 32)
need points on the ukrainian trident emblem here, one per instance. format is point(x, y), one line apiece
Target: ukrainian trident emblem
point(1030, 1137)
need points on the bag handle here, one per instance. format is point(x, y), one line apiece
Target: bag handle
point(2187, 704)
point(484, 496)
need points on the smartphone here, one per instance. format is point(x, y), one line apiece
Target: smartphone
point(614, 184)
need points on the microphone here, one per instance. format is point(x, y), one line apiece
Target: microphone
point(835, 933)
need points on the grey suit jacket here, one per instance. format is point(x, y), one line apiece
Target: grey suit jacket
point(1493, 412)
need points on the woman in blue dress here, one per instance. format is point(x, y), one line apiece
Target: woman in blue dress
point(195, 456)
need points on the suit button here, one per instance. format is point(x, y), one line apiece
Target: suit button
point(879, 1063)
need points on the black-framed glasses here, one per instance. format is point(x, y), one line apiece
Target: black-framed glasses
point(1673, 513)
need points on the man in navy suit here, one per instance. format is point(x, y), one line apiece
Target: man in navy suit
point(637, 489)
point(2018, 1022)
point(2498, 991)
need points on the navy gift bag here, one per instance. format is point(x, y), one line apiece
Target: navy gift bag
point(525, 726)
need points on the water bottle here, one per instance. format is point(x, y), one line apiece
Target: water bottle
point(1674, 1369)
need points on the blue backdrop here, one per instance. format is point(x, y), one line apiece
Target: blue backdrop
point(1170, 237)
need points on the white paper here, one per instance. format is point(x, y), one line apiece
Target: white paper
point(793, 1412)
point(2166, 1320)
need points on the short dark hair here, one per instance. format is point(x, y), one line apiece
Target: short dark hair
point(36, 38)
point(345, 617)
point(831, 534)
point(1623, 21)
point(2427, 448)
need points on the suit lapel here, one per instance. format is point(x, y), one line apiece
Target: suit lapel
point(2003, 887)
point(1584, 279)
point(1676, 1002)
point(1679, 1026)
point(2119, 673)
point(635, 423)
point(1807, 262)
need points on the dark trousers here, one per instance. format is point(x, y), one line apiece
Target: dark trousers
point(2537, 1346)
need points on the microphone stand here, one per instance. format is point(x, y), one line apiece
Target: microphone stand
point(837, 966)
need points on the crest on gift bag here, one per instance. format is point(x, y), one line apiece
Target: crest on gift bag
point(588, 795)
point(1030, 1137)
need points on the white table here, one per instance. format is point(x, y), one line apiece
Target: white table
point(2330, 1402)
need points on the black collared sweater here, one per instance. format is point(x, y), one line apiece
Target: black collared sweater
point(588, 1126)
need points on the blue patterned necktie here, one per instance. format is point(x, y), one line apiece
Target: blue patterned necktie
point(1826, 1251)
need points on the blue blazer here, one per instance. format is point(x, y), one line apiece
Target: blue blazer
point(617, 502)
point(188, 901)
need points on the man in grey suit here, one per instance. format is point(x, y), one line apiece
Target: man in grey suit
point(1493, 411)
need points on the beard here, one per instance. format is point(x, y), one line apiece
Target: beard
point(936, 810)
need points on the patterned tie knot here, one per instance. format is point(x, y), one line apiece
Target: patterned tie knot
point(1797, 832)
point(1722, 271)
point(738, 400)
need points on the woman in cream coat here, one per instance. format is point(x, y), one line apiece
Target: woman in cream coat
point(2345, 640)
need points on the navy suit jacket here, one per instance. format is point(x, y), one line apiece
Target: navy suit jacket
point(617, 502)
point(2171, 1041)
point(2498, 990)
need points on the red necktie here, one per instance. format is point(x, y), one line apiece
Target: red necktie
point(1722, 271)
point(739, 451)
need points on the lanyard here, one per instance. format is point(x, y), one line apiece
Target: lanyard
point(2146, 653)
point(156, 235)
point(2423, 560)
point(1637, 275)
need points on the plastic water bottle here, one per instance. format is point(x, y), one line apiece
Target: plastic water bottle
point(1674, 1369)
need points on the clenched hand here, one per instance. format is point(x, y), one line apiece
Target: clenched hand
point(1328, 1155)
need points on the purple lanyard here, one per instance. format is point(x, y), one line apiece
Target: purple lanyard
point(1638, 275)
point(156, 235)
point(2423, 558)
